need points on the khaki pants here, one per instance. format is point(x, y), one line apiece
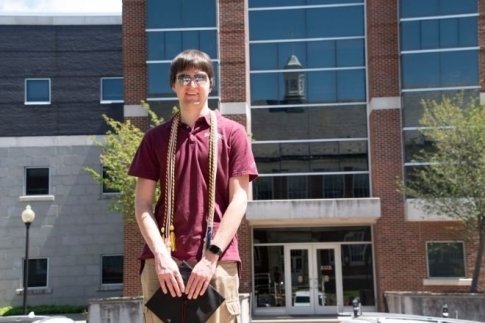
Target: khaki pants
point(225, 281)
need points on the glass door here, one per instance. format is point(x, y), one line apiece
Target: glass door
point(313, 276)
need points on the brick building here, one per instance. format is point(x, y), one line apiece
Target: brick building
point(329, 91)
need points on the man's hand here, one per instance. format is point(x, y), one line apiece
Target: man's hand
point(200, 277)
point(169, 276)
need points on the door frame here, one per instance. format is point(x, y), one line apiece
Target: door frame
point(314, 307)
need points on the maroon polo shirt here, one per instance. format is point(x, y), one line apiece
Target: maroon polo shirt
point(235, 158)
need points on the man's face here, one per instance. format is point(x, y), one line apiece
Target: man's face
point(192, 87)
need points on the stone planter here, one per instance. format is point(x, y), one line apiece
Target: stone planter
point(464, 306)
point(130, 309)
point(115, 309)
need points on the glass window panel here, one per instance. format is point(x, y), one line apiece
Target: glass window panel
point(414, 142)
point(265, 88)
point(311, 234)
point(307, 23)
point(269, 276)
point(322, 54)
point(112, 89)
point(459, 68)
point(319, 87)
point(158, 80)
point(37, 273)
point(36, 181)
point(442, 33)
point(412, 103)
point(410, 31)
point(107, 189)
point(316, 157)
point(357, 273)
point(443, 69)
point(351, 86)
point(429, 34)
point(467, 32)
point(445, 259)
point(319, 187)
point(350, 52)
point(166, 45)
point(309, 122)
point(274, 24)
point(112, 270)
point(37, 91)
point(420, 70)
point(335, 22)
point(270, 3)
point(313, 54)
point(177, 14)
point(420, 8)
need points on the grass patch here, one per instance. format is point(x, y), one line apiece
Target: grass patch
point(43, 309)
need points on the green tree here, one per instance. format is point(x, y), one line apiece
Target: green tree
point(452, 181)
point(117, 150)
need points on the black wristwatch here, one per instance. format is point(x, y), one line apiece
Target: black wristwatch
point(215, 249)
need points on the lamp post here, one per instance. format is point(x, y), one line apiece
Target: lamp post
point(28, 217)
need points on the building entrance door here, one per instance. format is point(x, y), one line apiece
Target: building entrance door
point(313, 275)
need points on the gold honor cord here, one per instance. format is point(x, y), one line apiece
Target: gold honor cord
point(168, 229)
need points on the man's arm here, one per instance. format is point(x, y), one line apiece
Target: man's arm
point(166, 269)
point(205, 269)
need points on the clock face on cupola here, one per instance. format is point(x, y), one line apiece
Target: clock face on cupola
point(294, 79)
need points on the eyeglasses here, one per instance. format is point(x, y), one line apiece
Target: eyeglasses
point(186, 79)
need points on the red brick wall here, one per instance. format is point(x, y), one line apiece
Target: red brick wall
point(134, 52)
point(232, 42)
point(400, 254)
point(382, 48)
point(134, 70)
point(233, 49)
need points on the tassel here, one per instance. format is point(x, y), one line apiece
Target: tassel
point(172, 238)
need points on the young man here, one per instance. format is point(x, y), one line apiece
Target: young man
point(181, 227)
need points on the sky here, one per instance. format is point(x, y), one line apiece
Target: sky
point(59, 6)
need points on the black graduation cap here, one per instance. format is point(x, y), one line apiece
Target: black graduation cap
point(181, 309)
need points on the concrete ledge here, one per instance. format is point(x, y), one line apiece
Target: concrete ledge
point(468, 306)
point(284, 212)
point(116, 309)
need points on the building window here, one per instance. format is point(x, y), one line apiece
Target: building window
point(106, 179)
point(37, 91)
point(439, 58)
point(445, 259)
point(38, 272)
point(112, 270)
point(172, 27)
point(36, 181)
point(112, 90)
point(311, 74)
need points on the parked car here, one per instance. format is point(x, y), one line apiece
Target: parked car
point(399, 318)
point(32, 318)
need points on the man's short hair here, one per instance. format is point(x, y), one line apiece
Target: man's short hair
point(191, 58)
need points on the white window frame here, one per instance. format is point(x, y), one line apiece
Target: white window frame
point(109, 285)
point(46, 286)
point(48, 180)
point(428, 274)
point(27, 102)
point(101, 93)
